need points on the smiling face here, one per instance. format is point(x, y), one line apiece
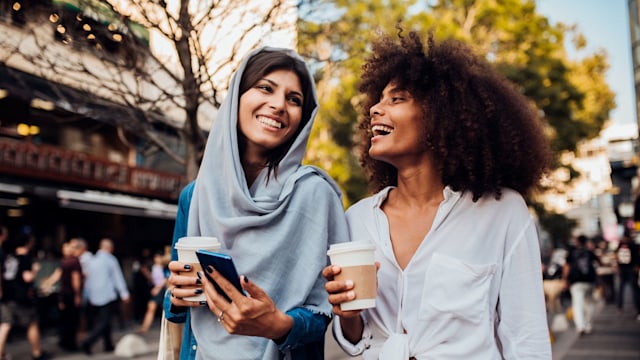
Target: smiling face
point(396, 126)
point(270, 112)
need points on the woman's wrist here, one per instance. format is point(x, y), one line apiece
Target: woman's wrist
point(285, 324)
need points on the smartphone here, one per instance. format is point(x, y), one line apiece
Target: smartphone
point(223, 264)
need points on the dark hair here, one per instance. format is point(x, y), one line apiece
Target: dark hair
point(482, 132)
point(582, 239)
point(264, 63)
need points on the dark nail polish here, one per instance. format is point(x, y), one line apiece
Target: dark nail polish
point(210, 269)
point(199, 274)
point(198, 291)
point(203, 303)
point(187, 266)
point(198, 282)
point(246, 279)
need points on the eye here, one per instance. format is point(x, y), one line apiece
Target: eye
point(296, 100)
point(265, 88)
point(396, 99)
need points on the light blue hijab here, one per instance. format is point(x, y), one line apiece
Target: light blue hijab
point(277, 232)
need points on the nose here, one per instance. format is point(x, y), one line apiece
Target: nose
point(375, 110)
point(277, 103)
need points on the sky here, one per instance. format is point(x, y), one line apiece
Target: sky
point(605, 24)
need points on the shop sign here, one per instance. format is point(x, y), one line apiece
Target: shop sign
point(55, 164)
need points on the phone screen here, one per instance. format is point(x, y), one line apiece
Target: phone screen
point(223, 264)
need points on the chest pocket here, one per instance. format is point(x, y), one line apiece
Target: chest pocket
point(456, 290)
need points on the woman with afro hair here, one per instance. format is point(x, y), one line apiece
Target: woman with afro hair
point(451, 148)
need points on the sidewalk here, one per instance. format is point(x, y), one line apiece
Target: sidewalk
point(615, 336)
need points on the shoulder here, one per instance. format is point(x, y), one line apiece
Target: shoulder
point(316, 182)
point(187, 192)
point(510, 203)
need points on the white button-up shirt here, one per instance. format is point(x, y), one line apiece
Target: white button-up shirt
point(472, 290)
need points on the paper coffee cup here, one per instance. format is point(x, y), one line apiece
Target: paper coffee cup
point(186, 247)
point(357, 261)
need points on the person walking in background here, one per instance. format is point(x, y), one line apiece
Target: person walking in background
point(69, 273)
point(605, 270)
point(273, 215)
point(5, 314)
point(81, 251)
point(159, 281)
point(627, 263)
point(104, 285)
point(452, 149)
point(580, 277)
point(20, 292)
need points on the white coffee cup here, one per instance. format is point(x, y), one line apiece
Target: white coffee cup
point(186, 247)
point(357, 261)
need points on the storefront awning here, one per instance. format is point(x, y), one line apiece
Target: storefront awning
point(116, 204)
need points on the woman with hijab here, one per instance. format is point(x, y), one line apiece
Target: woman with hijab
point(274, 216)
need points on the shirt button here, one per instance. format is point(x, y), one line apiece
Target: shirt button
point(194, 347)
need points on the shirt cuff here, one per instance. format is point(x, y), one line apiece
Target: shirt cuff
point(352, 349)
point(307, 327)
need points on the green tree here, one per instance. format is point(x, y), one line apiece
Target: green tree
point(530, 51)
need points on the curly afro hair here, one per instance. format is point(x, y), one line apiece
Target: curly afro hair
point(482, 132)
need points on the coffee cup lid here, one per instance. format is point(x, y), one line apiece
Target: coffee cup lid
point(196, 242)
point(350, 246)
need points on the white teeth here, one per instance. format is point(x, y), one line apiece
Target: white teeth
point(270, 122)
point(381, 129)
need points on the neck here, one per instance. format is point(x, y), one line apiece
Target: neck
point(419, 186)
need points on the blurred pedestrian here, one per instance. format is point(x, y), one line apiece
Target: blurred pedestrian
point(580, 276)
point(81, 251)
point(606, 273)
point(69, 273)
point(159, 281)
point(142, 284)
point(452, 148)
point(105, 285)
point(627, 263)
point(5, 314)
point(19, 290)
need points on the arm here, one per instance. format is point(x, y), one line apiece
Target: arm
point(76, 285)
point(523, 329)
point(178, 314)
point(51, 280)
point(307, 327)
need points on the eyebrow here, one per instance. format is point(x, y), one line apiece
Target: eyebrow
point(392, 91)
point(294, 92)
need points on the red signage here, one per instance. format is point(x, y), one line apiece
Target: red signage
point(55, 164)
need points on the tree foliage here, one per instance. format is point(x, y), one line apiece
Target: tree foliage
point(524, 45)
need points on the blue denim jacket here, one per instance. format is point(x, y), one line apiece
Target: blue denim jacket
point(304, 341)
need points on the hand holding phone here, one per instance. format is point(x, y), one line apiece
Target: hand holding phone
point(224, 265)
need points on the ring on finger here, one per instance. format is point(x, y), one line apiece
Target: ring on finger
point(221, 316)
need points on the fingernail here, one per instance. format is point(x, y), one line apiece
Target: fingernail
point(348, 282)
point(210, 269)
point(187, 266)
point(199, 274)
point(198, 282)
point(246, 279)
point(203, 303)
point(198, 291)
point(352, 295)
